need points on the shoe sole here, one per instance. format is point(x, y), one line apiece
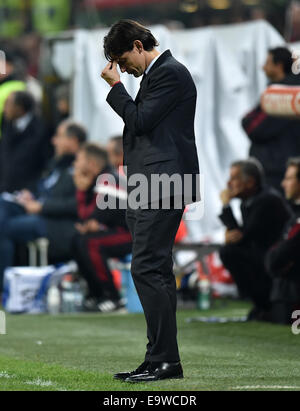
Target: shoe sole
point(120, 378)
point(178, 377)
point(115, 377)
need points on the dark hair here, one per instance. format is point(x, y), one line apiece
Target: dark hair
point(118, 140)
point(96, 151)
point(295, 162)
point(284, 56)
point(251, 168)
point(25, 100)
point(122, 35)
point(76, 130)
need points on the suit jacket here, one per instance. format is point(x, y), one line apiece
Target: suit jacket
point(158, 136)
point(264, 217)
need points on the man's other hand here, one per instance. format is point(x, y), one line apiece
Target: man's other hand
point(90, 226)
point(32, 206)
point(225, 197)
point(233, 236)
point(24, 195)
point(93, 226)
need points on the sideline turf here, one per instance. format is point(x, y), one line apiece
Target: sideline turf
point(82, 352)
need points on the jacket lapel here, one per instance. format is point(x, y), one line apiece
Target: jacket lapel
point(141, 85)
point(162, 58)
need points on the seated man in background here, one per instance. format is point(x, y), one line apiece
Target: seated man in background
point(283, 260)
point(52, 210)
point(102, 233)
point(23, 143)
point(264, 215)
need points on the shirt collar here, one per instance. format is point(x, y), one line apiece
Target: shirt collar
point(151, 64)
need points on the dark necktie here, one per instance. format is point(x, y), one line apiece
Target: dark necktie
point(143, 79)
point(141, 84)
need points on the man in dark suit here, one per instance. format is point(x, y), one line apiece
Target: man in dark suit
point(264, 214)
point(158, 138)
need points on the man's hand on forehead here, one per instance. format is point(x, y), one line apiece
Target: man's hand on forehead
point(110, 73)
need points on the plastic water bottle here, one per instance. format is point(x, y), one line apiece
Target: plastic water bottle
point(203, 301)
point(53, 300)
point(72, 296)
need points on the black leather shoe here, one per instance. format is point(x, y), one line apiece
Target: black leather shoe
point(141, 369)
point(160, 372)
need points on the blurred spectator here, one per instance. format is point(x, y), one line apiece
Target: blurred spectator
point(24, 64)
point(115, 151)
point(264, 214)
point(31, 47)
point(9, 81)
point(274, 139)
point(293, 22)
point(23, 143)
point(12, 18)
point(62, 103)
point(283, 260)
point(51, 16)
point(102, 233)
point(52, 211)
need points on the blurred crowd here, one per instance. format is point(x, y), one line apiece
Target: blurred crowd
point(49, 171)
point(262, 252)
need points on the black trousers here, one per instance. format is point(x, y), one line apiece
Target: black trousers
point(153, 233)
point(246, 265)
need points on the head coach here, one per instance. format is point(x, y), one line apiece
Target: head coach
point(158, 138)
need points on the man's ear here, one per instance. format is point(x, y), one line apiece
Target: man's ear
point(280, 66)
point(139, 45)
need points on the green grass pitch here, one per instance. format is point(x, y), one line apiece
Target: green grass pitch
point(83, 351)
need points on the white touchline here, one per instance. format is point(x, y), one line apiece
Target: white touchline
point(38, 382)
point(4, 374)
point(249, 387)
point(43, 383)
